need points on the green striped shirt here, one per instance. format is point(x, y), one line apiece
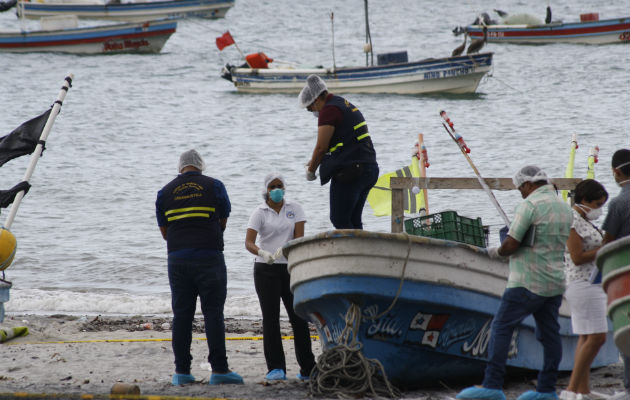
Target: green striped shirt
point(539, 268)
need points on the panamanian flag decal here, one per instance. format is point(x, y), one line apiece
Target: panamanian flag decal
point(427, 328)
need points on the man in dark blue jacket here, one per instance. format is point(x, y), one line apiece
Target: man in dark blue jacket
point(192, 212)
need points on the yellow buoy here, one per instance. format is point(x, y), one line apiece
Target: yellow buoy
point(8, 245)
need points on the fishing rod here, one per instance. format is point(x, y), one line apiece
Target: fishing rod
point(459, 140)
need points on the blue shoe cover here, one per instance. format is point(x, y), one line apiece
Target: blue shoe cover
point(481, 393)
point(276, 375)
point(531, 395)
point(230, 378)
point(303, 377)
point(182, 379)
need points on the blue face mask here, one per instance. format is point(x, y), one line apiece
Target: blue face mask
point(276, 195)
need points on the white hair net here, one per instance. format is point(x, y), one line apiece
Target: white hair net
point(191, 158)
point(314, 87)
point(270, 178)
point(529, 173)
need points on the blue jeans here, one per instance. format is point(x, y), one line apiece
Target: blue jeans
point(206, 278)
point(516, 304)
point(347, 199)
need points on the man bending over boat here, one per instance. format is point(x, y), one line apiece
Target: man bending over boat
point(535, 245)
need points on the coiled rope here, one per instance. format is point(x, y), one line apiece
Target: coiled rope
point(343, 370)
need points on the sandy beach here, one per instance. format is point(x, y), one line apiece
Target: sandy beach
point(78, 356)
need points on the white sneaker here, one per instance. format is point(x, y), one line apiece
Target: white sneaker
point(567, 395)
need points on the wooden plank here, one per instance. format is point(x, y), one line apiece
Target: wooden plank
point(471, 183)
point(398, 213)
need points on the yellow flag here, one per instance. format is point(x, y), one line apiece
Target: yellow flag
point(380, 197)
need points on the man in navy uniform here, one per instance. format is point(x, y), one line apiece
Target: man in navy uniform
point(192, 212)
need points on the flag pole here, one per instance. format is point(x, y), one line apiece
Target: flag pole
point(422, 161)
point(39, 148)
point(482, 182)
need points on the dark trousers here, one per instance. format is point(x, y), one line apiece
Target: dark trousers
point(516, 304)
point(347, 199)
point(272, 285)
point(206, 278)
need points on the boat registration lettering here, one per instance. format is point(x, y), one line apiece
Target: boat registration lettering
point(496, 34)
point(456, 72)
point(432, 75)
point(118, 45)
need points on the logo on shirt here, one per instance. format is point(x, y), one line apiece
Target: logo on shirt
point(290, 214)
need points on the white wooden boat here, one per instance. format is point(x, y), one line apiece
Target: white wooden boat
point(115, 10)
point(440, 324)
point(615, 30)
point(434, 75)
point(132, 37)
point(436, 326)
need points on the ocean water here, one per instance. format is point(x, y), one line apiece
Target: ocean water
point(88, 242)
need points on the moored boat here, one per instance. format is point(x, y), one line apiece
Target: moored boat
point(460, 74)
point(132, 37)
point(614, 262)
point(615, 30)
point(115, 10)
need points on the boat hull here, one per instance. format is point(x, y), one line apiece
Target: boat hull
point(146, 37)
point(439, 326)
point(128, 11)
point(445, 75)
point(614, 262)
point(591, 32)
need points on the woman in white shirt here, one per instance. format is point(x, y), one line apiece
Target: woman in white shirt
point(274, 223)
point(584, 292)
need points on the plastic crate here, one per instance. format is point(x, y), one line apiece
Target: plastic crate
point(448, 225)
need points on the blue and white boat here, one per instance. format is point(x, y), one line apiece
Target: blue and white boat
point(132, 37)
point(125, 11)
point(439, 326)
point(433, 75)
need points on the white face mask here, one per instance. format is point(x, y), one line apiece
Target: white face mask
point(591, 213)
point(315, 114)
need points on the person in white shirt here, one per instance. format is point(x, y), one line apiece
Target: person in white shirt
point(272, 224)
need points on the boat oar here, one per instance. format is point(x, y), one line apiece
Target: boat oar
point(40, 147)
point(465, 150)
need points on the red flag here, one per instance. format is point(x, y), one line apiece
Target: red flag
point(224, 40)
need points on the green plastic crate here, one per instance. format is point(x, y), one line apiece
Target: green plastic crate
point(448, 225)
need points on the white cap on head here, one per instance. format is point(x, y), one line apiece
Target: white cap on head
point(270, 178)
point(191, 158)
point(314, 87)
point(529, 173)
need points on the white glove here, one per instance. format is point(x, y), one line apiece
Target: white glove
point(267, 256)
point(278, 253)
point(493, 252)
point(310, 175)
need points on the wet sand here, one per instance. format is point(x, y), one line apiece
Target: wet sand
point(88, 355)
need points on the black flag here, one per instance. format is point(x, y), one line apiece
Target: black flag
point(23, 139)
point(7, 196)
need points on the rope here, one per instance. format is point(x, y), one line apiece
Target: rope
point(343, 370)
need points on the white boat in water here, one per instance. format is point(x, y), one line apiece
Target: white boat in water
point(61, 34)
point(460, 74)
point(123, 11)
